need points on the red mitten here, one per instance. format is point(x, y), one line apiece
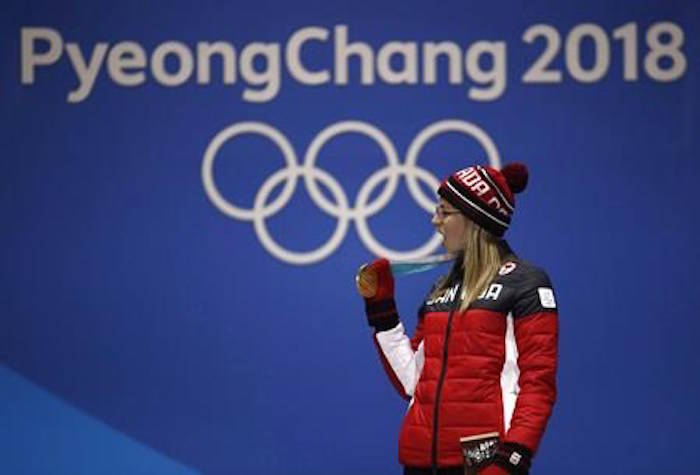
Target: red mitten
point(510, 458)
point(376, 284)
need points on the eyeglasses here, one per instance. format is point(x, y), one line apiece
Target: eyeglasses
point(442, 213)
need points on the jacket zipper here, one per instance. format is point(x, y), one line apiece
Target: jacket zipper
point(441, 379)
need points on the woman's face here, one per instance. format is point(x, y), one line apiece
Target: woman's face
point(452, 224)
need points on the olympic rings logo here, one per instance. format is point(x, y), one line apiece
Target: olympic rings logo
point(339, 208)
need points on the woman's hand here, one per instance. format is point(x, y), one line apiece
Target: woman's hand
point(376, 284)
point(375, 281)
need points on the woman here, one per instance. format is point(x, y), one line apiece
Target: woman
point(483, 356)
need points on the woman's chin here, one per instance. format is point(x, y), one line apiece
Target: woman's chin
point(448, 247)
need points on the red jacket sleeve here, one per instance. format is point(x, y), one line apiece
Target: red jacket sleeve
point(395, 341)
point(536, 333)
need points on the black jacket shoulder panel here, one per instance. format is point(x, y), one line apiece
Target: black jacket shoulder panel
point(519, 288)
point(532, 290)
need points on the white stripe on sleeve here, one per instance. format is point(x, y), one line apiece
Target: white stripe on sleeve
point(406, 364)
point(510, 374)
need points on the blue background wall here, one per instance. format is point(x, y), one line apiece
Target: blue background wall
point(143, 330)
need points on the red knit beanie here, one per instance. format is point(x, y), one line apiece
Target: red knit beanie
point(485, 194)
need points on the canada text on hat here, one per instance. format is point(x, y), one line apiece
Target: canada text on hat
point(480, 183)
point(485, 194)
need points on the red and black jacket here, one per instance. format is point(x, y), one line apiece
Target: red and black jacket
point(490, 368)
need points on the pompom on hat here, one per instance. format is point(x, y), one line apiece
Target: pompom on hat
point(486, 195)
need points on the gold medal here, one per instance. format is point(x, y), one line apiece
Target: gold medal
point(366, 281)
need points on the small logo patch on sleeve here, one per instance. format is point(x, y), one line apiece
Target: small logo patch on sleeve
point(515, 457)
point(547, 297)
point(507, 268)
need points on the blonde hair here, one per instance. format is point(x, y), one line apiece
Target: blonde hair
point(479, 262)
point(482, 261)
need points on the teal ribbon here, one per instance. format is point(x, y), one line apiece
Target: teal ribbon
point(419, 265)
